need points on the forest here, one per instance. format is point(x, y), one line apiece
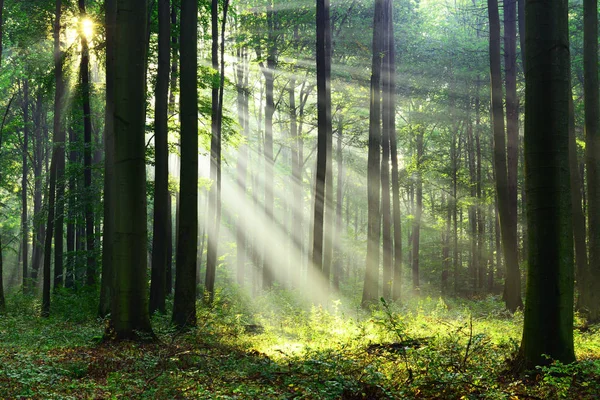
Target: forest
point(268, 199)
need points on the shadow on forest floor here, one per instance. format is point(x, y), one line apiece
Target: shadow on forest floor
point(425, 349)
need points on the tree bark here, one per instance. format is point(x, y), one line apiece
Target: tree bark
point(184, 307)
point(548, 315)
point(129, 314)
point(590, 299)
point(24, 184)
point(242, 160)
point(161, 183)
point(87, 154)
point(371, 281)
point(107, 284)
point(503, 177)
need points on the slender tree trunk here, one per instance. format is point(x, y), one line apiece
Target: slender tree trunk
point(72, 213)
point(129, 314)
point(371, 281)
point(470, 155)
point(548, 315)
point(107, 284)
point(242, 160)
point(161, 184)
point(417, 212)
point(269, 71)
point(24, 184)
point(38, 223)
point(389, 91)
point(59, 143)
point(509, 240)
point(184, 307)
point(87, 154)
point(386, 212)
point(337, 265)
point(172, 105)
point(215, 152)
point(581, 258)
point(590, 299)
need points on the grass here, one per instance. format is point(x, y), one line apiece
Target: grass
point(276, 348)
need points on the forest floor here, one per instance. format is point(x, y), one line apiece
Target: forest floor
point(428, 348)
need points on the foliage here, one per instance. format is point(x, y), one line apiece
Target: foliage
point(427, 348)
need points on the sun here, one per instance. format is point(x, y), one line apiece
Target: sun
point(87, 28)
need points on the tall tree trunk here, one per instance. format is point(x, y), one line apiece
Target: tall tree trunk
point(72, 213)
point(56, 152)
point(590, 299)
point(107, 284)
point(269, 71)
point(337, 239)
point(172, 105)
point(24, 184)
point(481, 263)
point(386, 212)
point(371, 281)
point(417, 212)
point(87, 154)
point(242, 160)
point(319, 258)
point(548, 315)
point(59, 147)
point(508, 229)
point(215, 149)
point(184, 307)
point(470, 155)
point(161, 184)
point(38, 223)
point(581, 258)
point(389, 91)
point(129, 314)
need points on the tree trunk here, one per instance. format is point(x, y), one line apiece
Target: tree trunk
point(508, 228)
point(269, 71)
point(24, 184)
point(38, 223)
point(581, 258)
point(386, 212)
point(215, 149)
point(59, 147)
point(389, 91)
point(184, 307)
point(417, 212)
point(87, 155)
point(161, 184)
point(371, 281)
point(548, 315)
point(337, 240)
point(242, 159)
point(72, 213)
point(107, 284)
point(590, 301)
point(129, 316)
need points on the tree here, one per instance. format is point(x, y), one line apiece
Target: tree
point(58, 99)
point(87, 150)
point(590, 295)
point(370, 288)
point(107, 282)
point(323, 137)
point(161, 185)
point(184, 306)
point(508, 231)
point(548, 324)
point(129, 313)
point(24, 181)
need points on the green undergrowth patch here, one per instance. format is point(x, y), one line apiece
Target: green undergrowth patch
point(277, 347)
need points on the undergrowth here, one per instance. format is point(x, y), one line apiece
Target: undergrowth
point(277, 347)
